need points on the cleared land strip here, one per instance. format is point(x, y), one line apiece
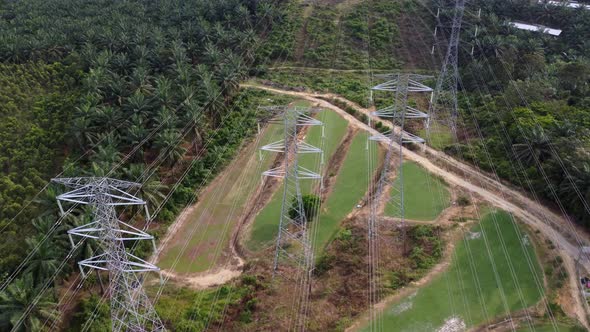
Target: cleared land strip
point(524, 208)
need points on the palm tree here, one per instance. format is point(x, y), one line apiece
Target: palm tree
point(169, 144)
point(163, 91)
point(14, 302)
point(45, 262)
point(179, 52)
point(138, 103)
point(81, 126)
point(117, 89)
point(536, 148)
point(151, 190)
point(193, 115)
point(108, 117)
point(184, 72)
point(213, 101)
point(230, 74)
point(142, 54)
point(141, 80)
point(47, 201)
point(165, 119)
point(106, 157)
point(121, 63)
point(212, 54)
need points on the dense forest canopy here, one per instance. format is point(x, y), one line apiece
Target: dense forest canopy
point(143, 90)
point(526, 99)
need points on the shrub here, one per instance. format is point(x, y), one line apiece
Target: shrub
point(323, 265)
point(310, 208)
point(463, 200)
point(249, 280)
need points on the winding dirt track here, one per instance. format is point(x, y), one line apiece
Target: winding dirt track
point(559, 229)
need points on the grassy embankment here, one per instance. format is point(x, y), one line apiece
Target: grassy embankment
point(265, 224)
point(426, 196)
point(350, 187)
point(470, 285)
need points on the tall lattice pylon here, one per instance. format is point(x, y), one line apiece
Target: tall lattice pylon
point(131, 310)
point(293, 242)
point(401, 85)
point(293, 246)
point(444, 99)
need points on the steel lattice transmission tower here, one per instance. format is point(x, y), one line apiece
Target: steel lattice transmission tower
point(131, 310)
point(293, 246)
point(444, 99)
point(293, 241)
point(401, 85)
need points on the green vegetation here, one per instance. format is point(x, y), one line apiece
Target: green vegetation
point(92, 307)
point(469, 289)
point(528, 98)
point(337, 35)
point(310, 204)
point(426, 195)
point(264, 228)
point(36, 104)
point(348, 190)
point(440, 137)
point(351, 85)
point(183, 309)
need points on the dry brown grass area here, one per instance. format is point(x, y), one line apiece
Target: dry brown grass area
point(340, 282)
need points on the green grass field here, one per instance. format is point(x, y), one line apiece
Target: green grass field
point(265, 226)
point(440, 137)
point(214, 211)
point(350, 187)
point(426, 195)
point(470, 282)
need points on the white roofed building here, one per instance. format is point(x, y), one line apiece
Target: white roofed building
point(536, 28)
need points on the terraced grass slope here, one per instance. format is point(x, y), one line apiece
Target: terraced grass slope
point(471, 289)
point(426, 195)
point(265, 225)
point(350, 187)
point(208, 226)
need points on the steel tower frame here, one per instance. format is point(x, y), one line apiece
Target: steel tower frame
point(401, 85)
point(445, 93)
point(293, 231)
point(131, 309)
point(293, 240)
